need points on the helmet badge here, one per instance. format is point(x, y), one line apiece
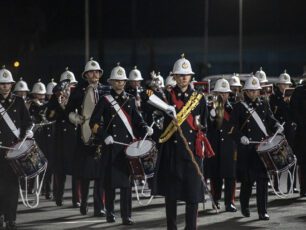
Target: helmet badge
point(184, 65)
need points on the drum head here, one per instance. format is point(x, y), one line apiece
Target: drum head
point(19, 152)
point(265, 146)
point(133, 149)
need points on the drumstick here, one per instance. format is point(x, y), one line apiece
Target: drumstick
point(146, 135)
point(277, 132)
point(120, 143)
point(25, 138)
point(4, 147)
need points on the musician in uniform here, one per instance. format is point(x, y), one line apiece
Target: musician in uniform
point(223, 165)
point(15, 124)
point(235, 95)
point(179, 171)
point(116, 119)
point(252, 120)
point(21, 89)
point(50, 87)
point(280, 106)
point(65, 138)
point(88, 155)
point(298, 106)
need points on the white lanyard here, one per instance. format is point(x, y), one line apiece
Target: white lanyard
point(9, 121)
point(256, 118)
point(120, 114)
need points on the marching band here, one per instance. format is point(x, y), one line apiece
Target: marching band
point(173, 137)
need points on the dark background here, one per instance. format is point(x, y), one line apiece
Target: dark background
point(46, 36)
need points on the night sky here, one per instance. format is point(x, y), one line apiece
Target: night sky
point(28, 26)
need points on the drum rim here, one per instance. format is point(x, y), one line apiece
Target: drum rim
point(143, 155)
point(21, 155)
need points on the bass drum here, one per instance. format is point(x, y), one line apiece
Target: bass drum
point(28, 161)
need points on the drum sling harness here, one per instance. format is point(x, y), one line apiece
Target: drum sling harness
point(256, 118)
point(9, 121)
point(121, 114)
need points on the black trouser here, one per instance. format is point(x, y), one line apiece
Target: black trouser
point(191, 214)
point(302, 179)
point(229, 189)
point(97, 194)
point(261, 193)
point(60, 180)
point(125, 202)
point(9, 190)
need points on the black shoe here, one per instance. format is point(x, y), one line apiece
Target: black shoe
point(59, 202)
point(48, 196)
point(127, 221)
point(76, 205)
point(245, 212)
point(302, 194)
point(263, 216)
point(110, 218)
point(83, 209)
point(217, 205)
point(10, 225)
point(295, 190)
point(231, 208)
point(100, 213)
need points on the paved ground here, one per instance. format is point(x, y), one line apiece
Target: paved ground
point(287, 213)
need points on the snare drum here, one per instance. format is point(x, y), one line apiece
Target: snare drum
point(276, 155)
point(142, 160)
point(28, 161)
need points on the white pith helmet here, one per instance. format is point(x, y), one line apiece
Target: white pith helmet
point(182, 66)
point(118, 73)
point(261, 75)
point(21, 86)
point(68, 75)
point(170, 81)
point(135, 75)
point(222, 86)
point(284, 78)
point(235, 80)
point(39, 88)
point(6, 76)
point(252, 83)
point(50, 87)
point(90, 66)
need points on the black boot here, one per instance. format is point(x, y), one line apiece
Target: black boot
point(83, 208)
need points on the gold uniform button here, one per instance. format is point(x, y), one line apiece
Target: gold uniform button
point(189, 143)
point(190, 130)
point(115, 135)
point(221, 130)
point(65, 130)
point(175, 141)
point(249, 130)
point(222, 139)
point(114, 125)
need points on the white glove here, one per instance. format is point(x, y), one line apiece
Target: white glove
point(171, 111)
point(109, 140)
point(150, 131)
point(29, 134)
point(244, 140)
point(213, 113)
point(76, 118)
point(279, 127)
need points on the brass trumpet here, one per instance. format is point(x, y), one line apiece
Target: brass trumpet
point(218, 105)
